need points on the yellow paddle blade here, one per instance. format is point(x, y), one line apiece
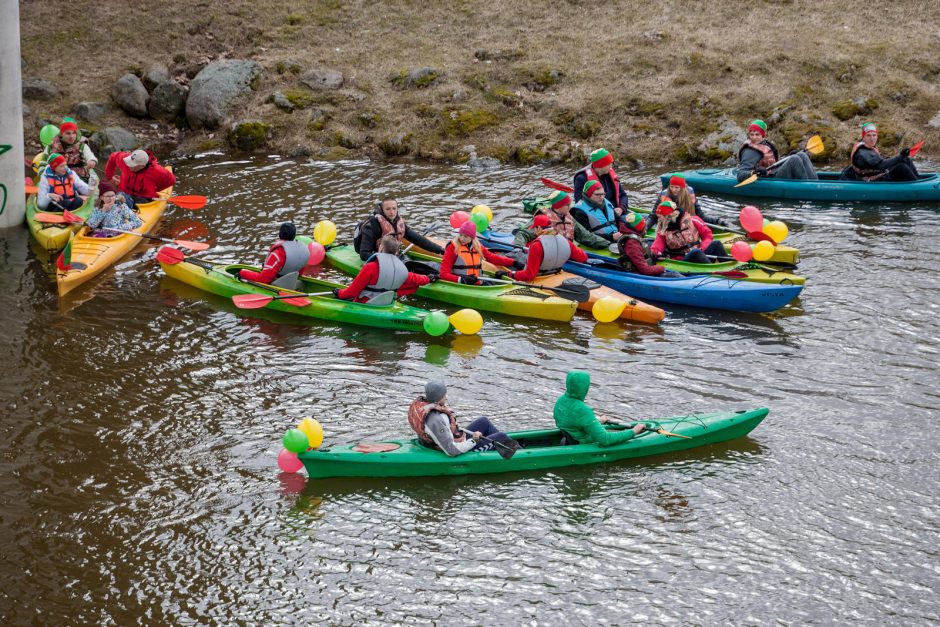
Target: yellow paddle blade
point(814, 145)
point(747, 181)
point(670, 434)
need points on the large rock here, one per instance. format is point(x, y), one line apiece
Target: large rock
point(934, 121)
point(40, 89)
point(722, 143)
point(90, 111)
point(131, 95)
point(155, 74)
point(249, 135)
point(168, 101)
point(215, 90)
point(322, 80)
point(112, 139)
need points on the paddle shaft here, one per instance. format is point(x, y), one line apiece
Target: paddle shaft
point(574, 292)
point(483, 437)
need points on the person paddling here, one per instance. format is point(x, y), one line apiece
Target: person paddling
point(387, 221)
point(547, 253)
point(436, 425)
point(867, 164)
point(286, 258)
point(137, 175)
point(563, 223)
point(602, 170)
point(464, 256)
point(597, 214)
point(635, 253)
point(383, 277)
point(758, 154)
point(576, 418)
point(684, 237)
point(60, 186)
point(111, 213)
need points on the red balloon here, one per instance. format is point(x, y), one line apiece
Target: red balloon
point(317, 253)
point(457, 218)
point(751, 219)
point(288, 461)
point(741, 251)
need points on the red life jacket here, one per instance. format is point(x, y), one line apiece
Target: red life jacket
point(419, 411)
point(866, 173)
point(679, 242)
point(592, 176)
point(469, 262)
point(769, 157)
point(563, 225)
point(61, 185)
point(72, 154)
point(398, 229)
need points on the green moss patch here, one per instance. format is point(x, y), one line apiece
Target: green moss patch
point(463, 122)
point(248, 136)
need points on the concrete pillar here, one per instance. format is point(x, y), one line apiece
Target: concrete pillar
point(12, 198)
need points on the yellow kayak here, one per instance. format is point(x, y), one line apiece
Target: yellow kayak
point(53, 237)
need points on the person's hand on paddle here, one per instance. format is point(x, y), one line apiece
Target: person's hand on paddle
point(760, 171)
point(476, 435)
point(335, 291)
point(639, 428)
point(55, 197)
point(502, 274)
point(433, 277)
point(469, 280)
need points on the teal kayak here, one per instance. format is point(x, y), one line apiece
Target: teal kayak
point(828, 187)
point(542, 449)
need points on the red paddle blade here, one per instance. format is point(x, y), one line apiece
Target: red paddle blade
point(251, 301)
point(188, 202)
point(556, 185)
point(170, 256)
point(732, 274)
point(916, 147)
point(296, 301)
point(191, 245)
point(51, 218)
point(71, 217)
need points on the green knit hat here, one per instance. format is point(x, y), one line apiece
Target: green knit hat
point(665, 208)
point(868, 127)
point(559, 199)
point(634, 219)
point(601, 157)
point(588, 186)
point(759, 126)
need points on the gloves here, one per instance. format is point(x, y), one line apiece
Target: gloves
point(905, 152)
point(671, 274)
point(469, 280)
point(501, 274)
point(518, 264)
point(336, 292)
point(761, 171)
point(433, 277)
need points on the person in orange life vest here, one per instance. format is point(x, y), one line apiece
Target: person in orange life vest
point(286, 256)
point(679, 192)
point(464, 256)
point(635, 254)
point(597, 214)
point(602, 170)
point(436, 425)
point(758, 153)
point(137, 175)
point(383, 277)
point(867, 164)
point(61, 187)
point(547, 254)
point(681, 236)
point(387, 221)
point(76, 151)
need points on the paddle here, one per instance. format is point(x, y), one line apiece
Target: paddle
point(257, 301)
point(556, 185)
point(659, 430)
point(814, 146)
point(193, 203)
point(71, 218)
point(916, 148)
point(577, 293)
point(506, 451)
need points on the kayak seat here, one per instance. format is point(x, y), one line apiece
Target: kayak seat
point(288, 281)
point(567, 439)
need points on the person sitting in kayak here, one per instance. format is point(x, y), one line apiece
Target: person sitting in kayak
point(679, 192)
point(61, 187)
point(635, 254)
point(562, 222)
point(681, 236)
point(76, 150)
point(383, 277)
point(464, 256)
point(110, 213)
point(867, 164)
point(137, 175)
point(576, 418)
point(597, 214)
point(286, 258)
point(758, 154)
point(436, 425)
point(386, 220)
point(602, 170)
point(547, 253)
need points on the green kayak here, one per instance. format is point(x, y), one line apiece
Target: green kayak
point(541, 450)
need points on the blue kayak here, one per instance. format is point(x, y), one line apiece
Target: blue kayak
point(828, 187)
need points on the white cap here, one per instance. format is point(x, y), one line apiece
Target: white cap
point(136, 159)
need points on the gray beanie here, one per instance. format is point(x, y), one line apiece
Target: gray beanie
point(434, 391)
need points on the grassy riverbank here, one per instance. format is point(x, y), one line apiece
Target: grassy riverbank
point(521, 81)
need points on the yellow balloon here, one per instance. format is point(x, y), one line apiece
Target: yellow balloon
point(608, 309)
point(763, 250)
point(37, 161)
point(484, 210)
point(777, 231)
point(467, 321)
point(312, 429)
point(324, 232)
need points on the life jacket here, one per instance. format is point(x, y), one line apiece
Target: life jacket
point(767, 150)
point(397, 229)
point(468, 262)
point(601, 220)
point(297, 255)
point(72, 154)
point(679, 241)
point(625, 262)
point(860, 172)
point(418, 413)
point(62, 185)
point(392, 275)
point(563, 225)
point(592, 176)
point(556, 250)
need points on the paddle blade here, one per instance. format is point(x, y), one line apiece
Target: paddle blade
point(170, 256)
point(32, 189)
point(188, 202)
point(296, 301)
point(507, 448)
point(51, 218)
point(71, 217)
point(814, 145)
point(556, 185)
point(577, 293)
point(747, 181)
point(191, 245)
point(916, 147)
point(251, 301)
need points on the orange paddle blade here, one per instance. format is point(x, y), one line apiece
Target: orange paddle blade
point(170, 256)
point(556, 185)
point(297, 301)
point(188, 202)
point(51, 218)
point(31, 189)
point(251, 301)
point(191, 245)
point(71, 217)
point(916, 147)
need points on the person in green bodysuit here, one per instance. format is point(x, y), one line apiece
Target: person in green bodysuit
point(576, 417)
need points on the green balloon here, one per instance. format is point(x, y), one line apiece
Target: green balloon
point(481, 221)
point(304, 239)
point(436, 323)
point(295, 441)
point(47, 133)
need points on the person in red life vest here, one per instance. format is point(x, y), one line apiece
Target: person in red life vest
point(387, 221)
point(635, 254)
point(464, 257)
point(547, 253)
point(867, 164)
point(681, 193)
point(76, 150)
point(383, 277)
point(61, 187)
point(436, 425)
point(602, 170)
point(758, 154)
point(137, 175)
point(286, 258)
point(681, 236)
point(563, 223)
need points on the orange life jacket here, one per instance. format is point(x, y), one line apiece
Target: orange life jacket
point(469, 262)
point(859, 171)
point(418, 412)
point(592, 176)
point(679, 242)
point(769, 157)
point(61, 185)
point(397, 229)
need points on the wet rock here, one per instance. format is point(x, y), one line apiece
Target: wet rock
point(112, 139)
point(483, 163)
point(154, 75)
point(417, 78)
point(396, 145)
point(299, 152)
point(131, 95)
point(216, 89)
point(282, 102)
point(722, 143)
point(40, 89)
point(934, 121)
point(249, 135)
point(168, 101)
point(90, 111)
point(322, 80)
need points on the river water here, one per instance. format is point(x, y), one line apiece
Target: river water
point(141, 420)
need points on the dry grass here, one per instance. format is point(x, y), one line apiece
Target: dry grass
point(644, 79)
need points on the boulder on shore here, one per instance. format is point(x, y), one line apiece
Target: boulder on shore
point(215, 90)
point(155, 74)
point(39, 89)
point(112, 139)
point(131, 95)
point(168, 100)
point(90, 111)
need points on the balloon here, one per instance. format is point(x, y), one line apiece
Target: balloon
point(481, 221)
point(751, 219)
point(312, 429)
point(304, 239)
point(457, 218)
point(295, 441)
point(436, 323)
point(317, 253)
point(777, 231)
point(324, 232)
point(608, 309)
point(467, 321)
point(47, 133)
point(484, 210)
point(763, 251)
point(288, 461)
point(37, 162)
point(741, 251)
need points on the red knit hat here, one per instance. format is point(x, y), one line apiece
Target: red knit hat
point(559, 199)
point(665, 208)
point(56, 160)
point(105, 187)
point(468, 228)
point(759, 126)
point(542, 221)
point(601, 157)
point(68, 126)
point(678, 181)
point(589, 187)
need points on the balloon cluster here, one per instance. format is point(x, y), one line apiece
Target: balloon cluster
point(323, 235)
point(467, 321)
point(307, 435)
point(480, 215)
point(768, 234)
